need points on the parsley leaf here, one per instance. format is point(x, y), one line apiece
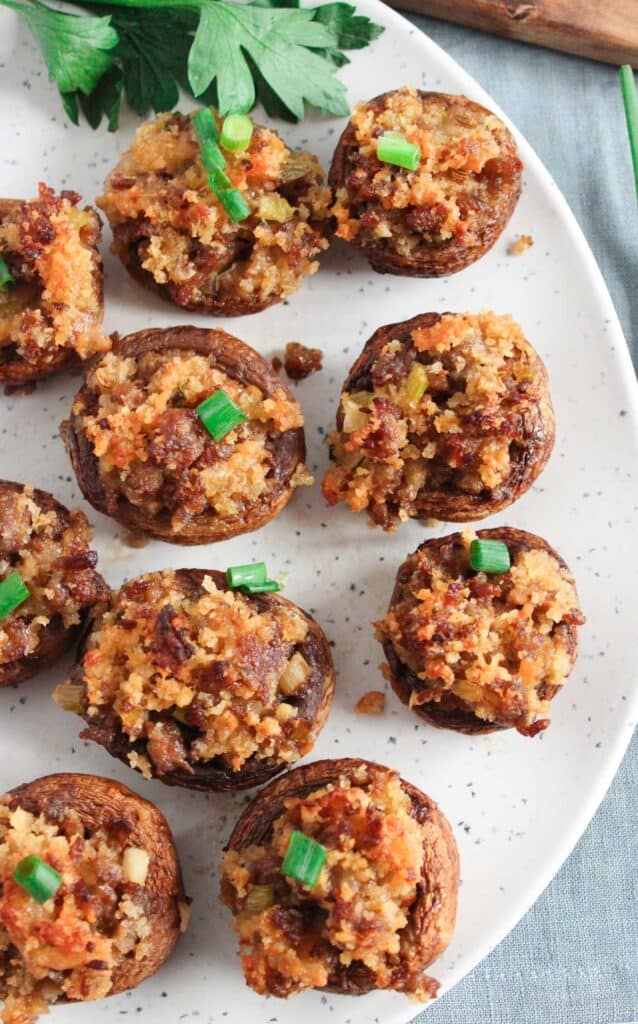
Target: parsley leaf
point(226, 53)
point(77, 51)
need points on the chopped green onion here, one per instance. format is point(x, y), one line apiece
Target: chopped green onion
point(37, 878)
point(489, 556)
point(241, 575)
point(13, 592)
point(393, 148)
point(234, 204)
point(6, 277)
point(219, 414)
point(259, 898)
point(630, 99)
point(417, 382)
point(268, 587)
point(304, 859)
point(219, 180)
point(205, 125)
point(237, 131)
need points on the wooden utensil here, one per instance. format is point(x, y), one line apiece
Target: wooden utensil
point(605, 30)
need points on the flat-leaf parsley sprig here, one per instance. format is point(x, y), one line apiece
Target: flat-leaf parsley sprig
point(230, 54)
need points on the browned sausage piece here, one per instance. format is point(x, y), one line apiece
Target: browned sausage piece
point(447, 213)
point(49, 547)
point(199, 685)
point(52, 313)
point(174, 236)
point(118, 911)
point(384, 906)
point(142, 455)
point(474, 651)
point(470, 439)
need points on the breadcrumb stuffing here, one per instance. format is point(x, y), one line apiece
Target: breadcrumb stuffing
point(68, 946)
point(519, 246)
point(357, 912)
point(212, 661)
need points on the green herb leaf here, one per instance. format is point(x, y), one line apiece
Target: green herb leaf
point(225, 53)
point(77, 50)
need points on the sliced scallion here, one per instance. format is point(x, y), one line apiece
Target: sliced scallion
point(237, 131)
point(489, 556)
point(6, 277)
point(219, 414)
point(13, 592)
point(393, 148)
point(242, 575)
point(234, 204)
point(304, 859)
point(417, 382)
point(267, 587)
point(37, 878)
point(259, 898)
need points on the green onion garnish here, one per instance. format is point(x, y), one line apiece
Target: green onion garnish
point(393, 148)
point(214, 164)
point(241, 575)
point(259, 898)
point(630, 99)
point(6, 277)
point(13, 592)
point(304, 859)
point(234, 204)
point(219, 414)
point(37, 878)
point(417, 382)
point(268, 587)
point(237, 131)
point(489, 556)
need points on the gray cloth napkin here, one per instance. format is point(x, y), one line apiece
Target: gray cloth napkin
point(573, 958)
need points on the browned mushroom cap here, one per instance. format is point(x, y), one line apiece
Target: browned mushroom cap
point(106, 804)
point(432, 915)
point(55, 638)
point(312, 701)
point(239, 269)
point(429, 258)
point(451, 712)
point(240, 362)
point(15, 371)
point(527, 421)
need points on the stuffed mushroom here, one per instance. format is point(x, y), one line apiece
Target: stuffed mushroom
point(200, 685)
point(91, 896)
point(446, 417)
point(444, 206)
point(174, 235)
point(341, 876)
point(48, 580)
point(482, 631)
point(187, 435)
point(50, 285)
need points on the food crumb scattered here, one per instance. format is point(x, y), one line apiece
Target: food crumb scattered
point(300, 361)
point(134, 540)
point(372, 703)
point(276, 363)
point(519, 245)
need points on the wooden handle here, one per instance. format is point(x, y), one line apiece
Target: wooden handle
point(605, 30)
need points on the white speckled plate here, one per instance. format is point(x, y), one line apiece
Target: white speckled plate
point(517, 806)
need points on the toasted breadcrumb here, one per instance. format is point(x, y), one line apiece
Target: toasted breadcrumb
point(372, 703)
point(519, 245)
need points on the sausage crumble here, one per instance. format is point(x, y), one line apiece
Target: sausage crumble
point(300, 361)
point(475, 439)
point(53, 310)
point(358, 912)
point(489, 647)
point(170, 227)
